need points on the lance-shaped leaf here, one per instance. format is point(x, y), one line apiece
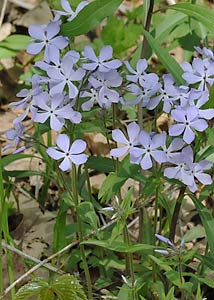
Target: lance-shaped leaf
point(90, 16)
point(200, 13)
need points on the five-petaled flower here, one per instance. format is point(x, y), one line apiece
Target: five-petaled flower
point(70, 153)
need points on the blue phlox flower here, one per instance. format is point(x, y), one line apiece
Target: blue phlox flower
point(104, 82)
point(131, 143)
point(138, 75)
point(64, 77)
point(27, 103)
point(69, 153)
point(102, 63)
point(53, 108)
point(55, 61)
point(180, 169)
point(171, 150)
point(187, 120)
point(150, 149)
point(186, 170)
point(45, 36)
point(198, 99)
point(16, 135)
point(167, 94)
point(68, 11)
point(201, 71)
point(205, 52)
point(92, 94)
point(143, 95)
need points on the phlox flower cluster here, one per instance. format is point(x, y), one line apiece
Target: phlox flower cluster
point(73, 83)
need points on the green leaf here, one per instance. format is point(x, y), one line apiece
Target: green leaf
point(207, 260)
point(160, 263)
point(6, 160)
point(120, 36)
point(119, 246)
point(170, 295)
point(194, 233)
point(23, 173)
point(32, 288)
point(201, 13)
point(16, 42)
point(67, 287)
point(169, 23)
point(210, 136)
point(168, 62)
point(59, 240)
point(101, 164)
point(207, 220)
point(173, 277)
point(128, 170)
point(7, 53)
point(87, 213)
point(84, 127)
point(90, 16)
point(111, 186)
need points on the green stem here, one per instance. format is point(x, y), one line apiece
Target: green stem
point(130, 262)
point(181, 275)
point(5, 230)
point(1, 218)
point(147, 23)
point(80, 233)
point(176, 213)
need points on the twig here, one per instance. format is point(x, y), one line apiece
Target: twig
point(3, 12)
point(45, 261)
point(36, 260)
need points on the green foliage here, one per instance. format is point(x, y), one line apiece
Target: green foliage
point(168, 62)
point(207, 220)
point(120, 35)
point(65, 287)
point(15, 42)
point(119, 246)
point(90, 16)
point(200, 13)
